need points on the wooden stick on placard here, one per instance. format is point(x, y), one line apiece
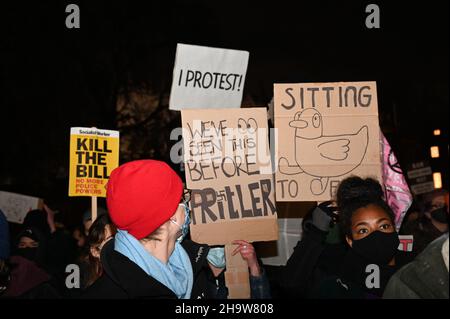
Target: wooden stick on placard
point(93, 204)
point(237, 277)
point(93, 208)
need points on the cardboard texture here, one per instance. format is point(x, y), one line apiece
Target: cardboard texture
point(16, 206)
point(205, 77)
point(325, 133)
point(237, 277)
point(232, 185)
point(94, 154)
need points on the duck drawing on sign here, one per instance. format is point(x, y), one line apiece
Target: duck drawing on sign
point(341, 154)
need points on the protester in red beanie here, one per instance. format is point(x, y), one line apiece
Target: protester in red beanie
point(142, 195)
point(148, 257)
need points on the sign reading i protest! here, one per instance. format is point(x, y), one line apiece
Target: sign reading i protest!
point(94, 154)
point(206, 77)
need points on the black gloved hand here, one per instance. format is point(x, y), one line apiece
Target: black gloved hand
point(324, 215)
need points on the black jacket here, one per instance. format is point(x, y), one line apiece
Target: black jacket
point(309, 264)
point(123, 279)
point(28, 281)
point(423, 231)
point(320, 270)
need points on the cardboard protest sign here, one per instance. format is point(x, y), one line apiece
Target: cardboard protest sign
point(205, 77)
point(16, 206)
point(228, 169)
point(325, 133)
point(236, 275)
point(94, 154)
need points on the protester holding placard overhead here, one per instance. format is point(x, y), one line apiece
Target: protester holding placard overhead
point(228, 169)
point(368, 226)
point(148, 257)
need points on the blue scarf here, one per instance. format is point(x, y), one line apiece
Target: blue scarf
point(177, 274)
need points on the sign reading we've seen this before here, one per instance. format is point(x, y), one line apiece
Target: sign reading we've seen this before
point(228, 169)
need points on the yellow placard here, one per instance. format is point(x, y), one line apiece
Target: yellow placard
point(94, 154)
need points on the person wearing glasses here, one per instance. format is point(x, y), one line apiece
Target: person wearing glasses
point(149, 257)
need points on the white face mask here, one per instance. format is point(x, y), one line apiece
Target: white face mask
point(216, 256)
point(187, 220)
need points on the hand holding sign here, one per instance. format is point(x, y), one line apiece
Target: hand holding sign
point(50, 218)
point(323, 216)
point(248, 253)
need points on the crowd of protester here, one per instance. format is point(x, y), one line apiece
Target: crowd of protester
point(139, 247)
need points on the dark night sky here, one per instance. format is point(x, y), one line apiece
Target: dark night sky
point(52, 78)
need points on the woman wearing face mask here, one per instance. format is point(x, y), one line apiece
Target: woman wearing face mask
point(368, 225)
point(32, 245)
point(28, 277)
point(148, 257)
point(259, 284)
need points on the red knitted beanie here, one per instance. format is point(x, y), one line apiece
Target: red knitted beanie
point(142, 195)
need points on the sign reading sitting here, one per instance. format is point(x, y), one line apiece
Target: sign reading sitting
point(94, 154)
point(228, 169)
point(326, 132)
point(206, 77)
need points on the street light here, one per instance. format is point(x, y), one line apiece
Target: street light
point(437, 180)
point(437, 132)
point(434, 150)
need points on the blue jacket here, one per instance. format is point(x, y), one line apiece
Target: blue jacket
point(4, 237)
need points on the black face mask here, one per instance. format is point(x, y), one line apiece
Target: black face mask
point(378, 247)
point(28, 253)
point(440, 215)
